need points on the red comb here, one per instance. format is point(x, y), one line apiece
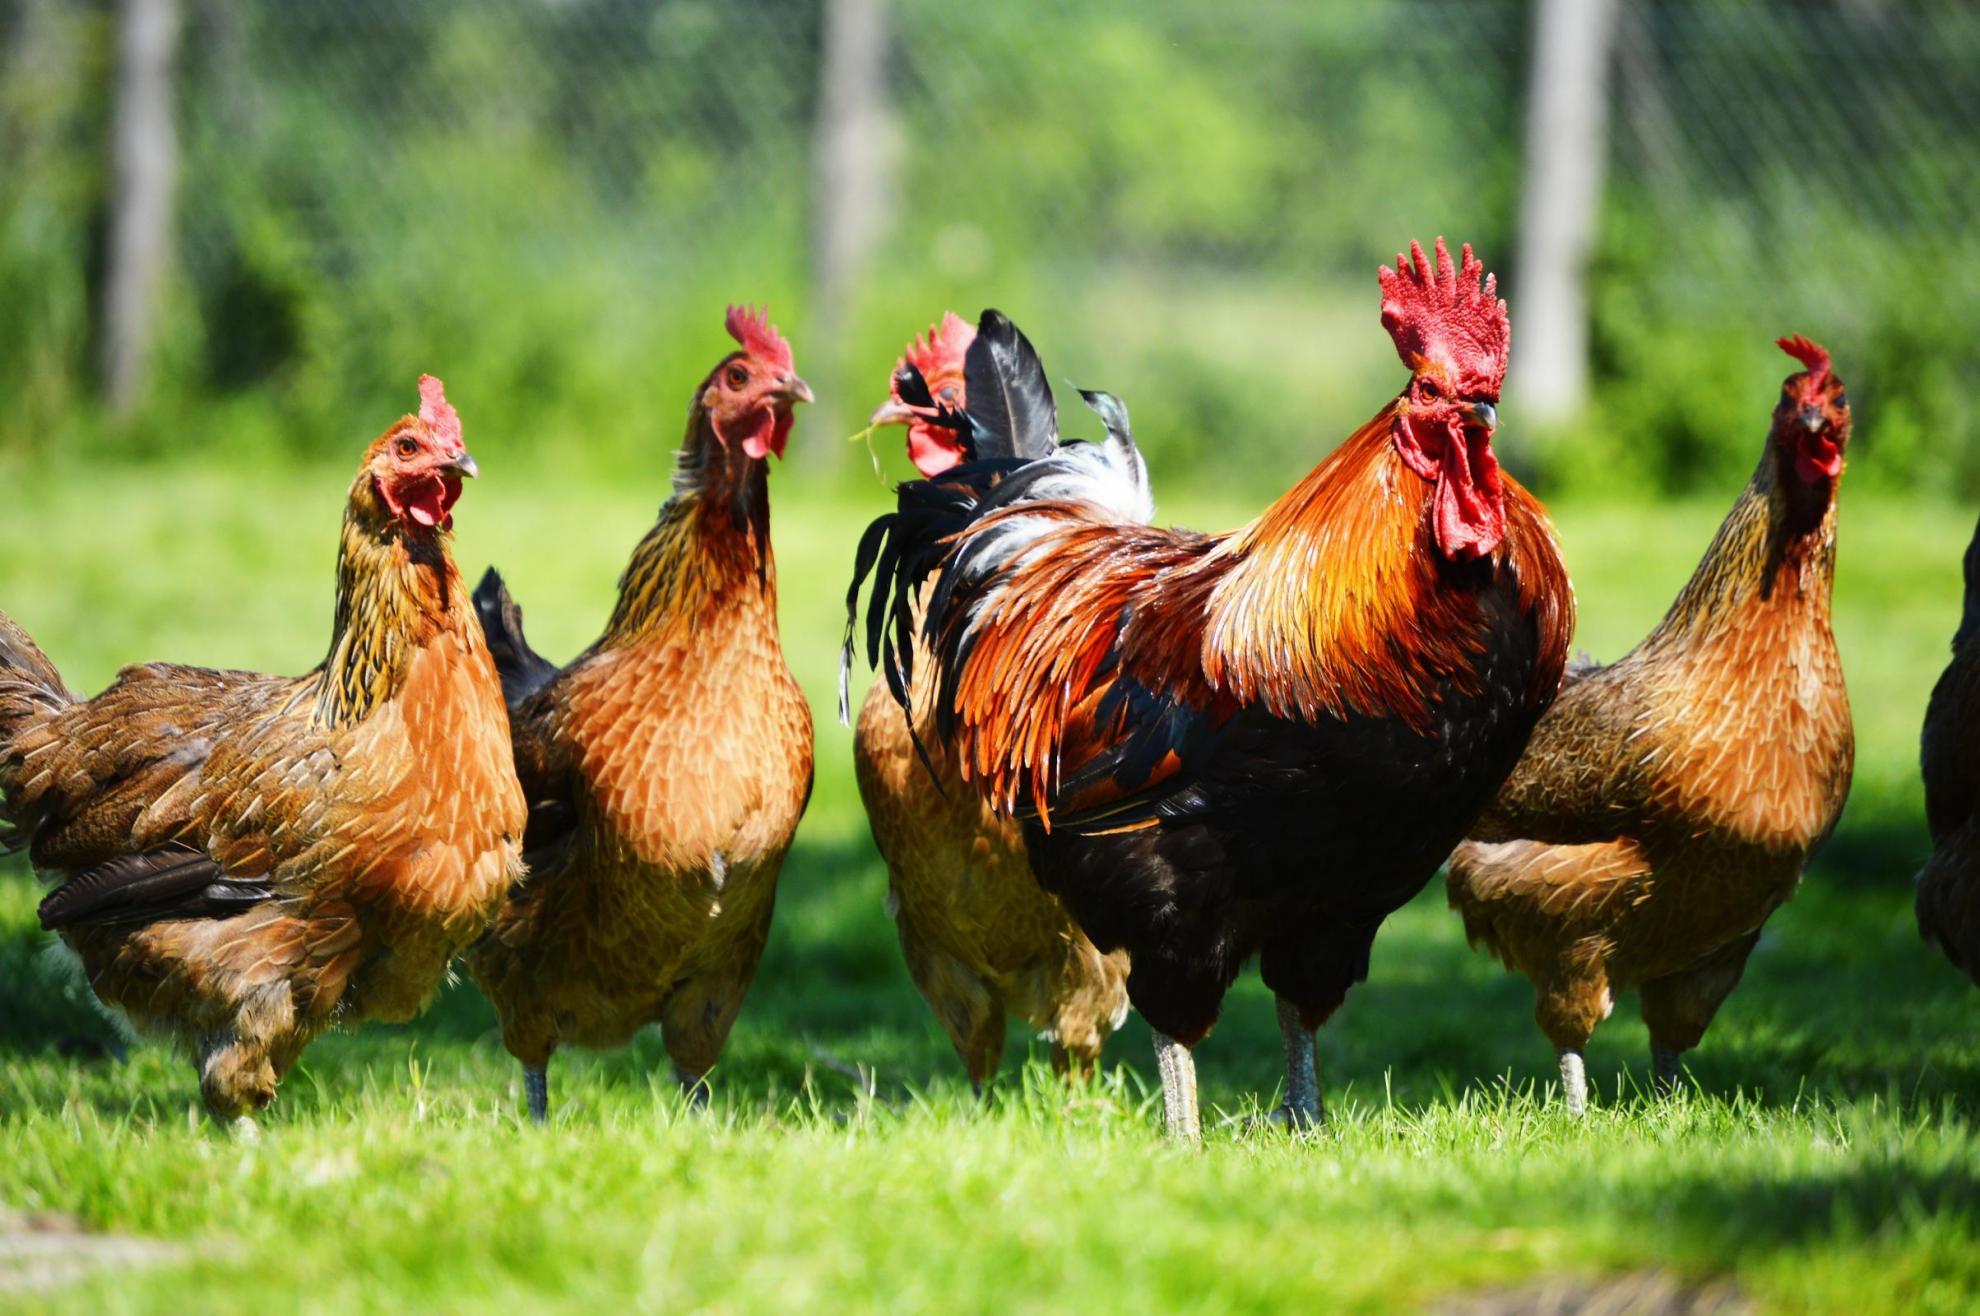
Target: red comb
point(1441, 310)
point(1811, 354)
point(944, 346)
point(439, 415)
point(752, 328)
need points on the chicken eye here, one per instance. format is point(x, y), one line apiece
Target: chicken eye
point(1429, 389)
point(738, 376)
point(407, 446)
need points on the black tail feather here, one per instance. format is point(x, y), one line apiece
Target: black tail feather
point(174, 881)
point(1011, 410)
point(522, 669)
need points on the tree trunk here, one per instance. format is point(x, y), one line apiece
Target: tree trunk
point(851, 186)
point(1566, 146)
point(145, 166)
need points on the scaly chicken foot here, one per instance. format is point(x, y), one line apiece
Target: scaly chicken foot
point(1301, 1109)
point(1574, 1080)
point(536, 1091)
point(694, 1087)
point(1178, 1066)
point(1666, 1068)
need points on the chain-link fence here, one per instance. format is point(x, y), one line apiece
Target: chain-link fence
point(1184, 201)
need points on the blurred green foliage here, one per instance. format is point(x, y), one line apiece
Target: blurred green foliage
point(549, 204)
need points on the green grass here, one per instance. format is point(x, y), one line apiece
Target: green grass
point(1826, 1160)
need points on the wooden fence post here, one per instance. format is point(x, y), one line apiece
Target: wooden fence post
point(852, 157)
point(144, 173)
point(1566, 149)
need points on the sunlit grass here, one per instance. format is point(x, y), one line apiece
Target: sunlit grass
point(1825, 1159)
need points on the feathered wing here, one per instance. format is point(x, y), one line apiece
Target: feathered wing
point(903, 548)
point(174, 881)
point(1068, 649)
point(178, 792)
point(1572, 786)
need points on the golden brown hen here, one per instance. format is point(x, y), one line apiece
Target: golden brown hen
point(982, 938)
point(1667, 804)
point(248, 860)
point(1949, 886)
point(666, 767)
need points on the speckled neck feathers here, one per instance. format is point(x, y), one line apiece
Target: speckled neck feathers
point(396, 588)
point(1776, 547)
point(711, 543)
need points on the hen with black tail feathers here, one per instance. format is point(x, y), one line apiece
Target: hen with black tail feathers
point(666, 766)
point(245, 861)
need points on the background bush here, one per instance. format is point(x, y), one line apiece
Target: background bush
point(548, 201)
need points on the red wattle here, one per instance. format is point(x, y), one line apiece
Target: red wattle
point(766, 435)
point(932, 450)
point(1818, 459)
point(425, 500)
point(1468, 509)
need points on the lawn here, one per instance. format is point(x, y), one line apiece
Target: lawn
point(1827, 1158)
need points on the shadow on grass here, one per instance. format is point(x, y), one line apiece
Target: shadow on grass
point(1840, 1001)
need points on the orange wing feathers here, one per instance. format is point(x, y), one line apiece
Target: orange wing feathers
point(1333, 603)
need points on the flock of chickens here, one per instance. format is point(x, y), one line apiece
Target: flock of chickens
point(1108, 763)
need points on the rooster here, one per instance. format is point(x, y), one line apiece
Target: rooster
point(1668, 803)
point(247, 860)
point(1262, 742)
point(1949, 887)
point(981, 937)
point(666, 767)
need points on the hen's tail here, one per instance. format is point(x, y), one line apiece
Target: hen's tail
point(30, 687)
point(31, 690)
point(522, 669)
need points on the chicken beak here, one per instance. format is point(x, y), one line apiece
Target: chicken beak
point(1482, 414)
point(892, 412)
point(1812, 419)
point(462, 466)
point(794, 388)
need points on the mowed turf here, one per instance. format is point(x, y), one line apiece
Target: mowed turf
point(1826, 1159)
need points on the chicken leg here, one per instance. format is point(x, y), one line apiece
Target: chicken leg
point(1178, 1066)
point(1679, 1007)
point(536, 1091)
point(1301, 1108)
point(1574, 1080)
point(1666, 1068)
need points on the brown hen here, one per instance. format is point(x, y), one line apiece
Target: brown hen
point(1667, 804)
point(248, 860)
point(1949, 886)
point(982, 938)
point(666, 767)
